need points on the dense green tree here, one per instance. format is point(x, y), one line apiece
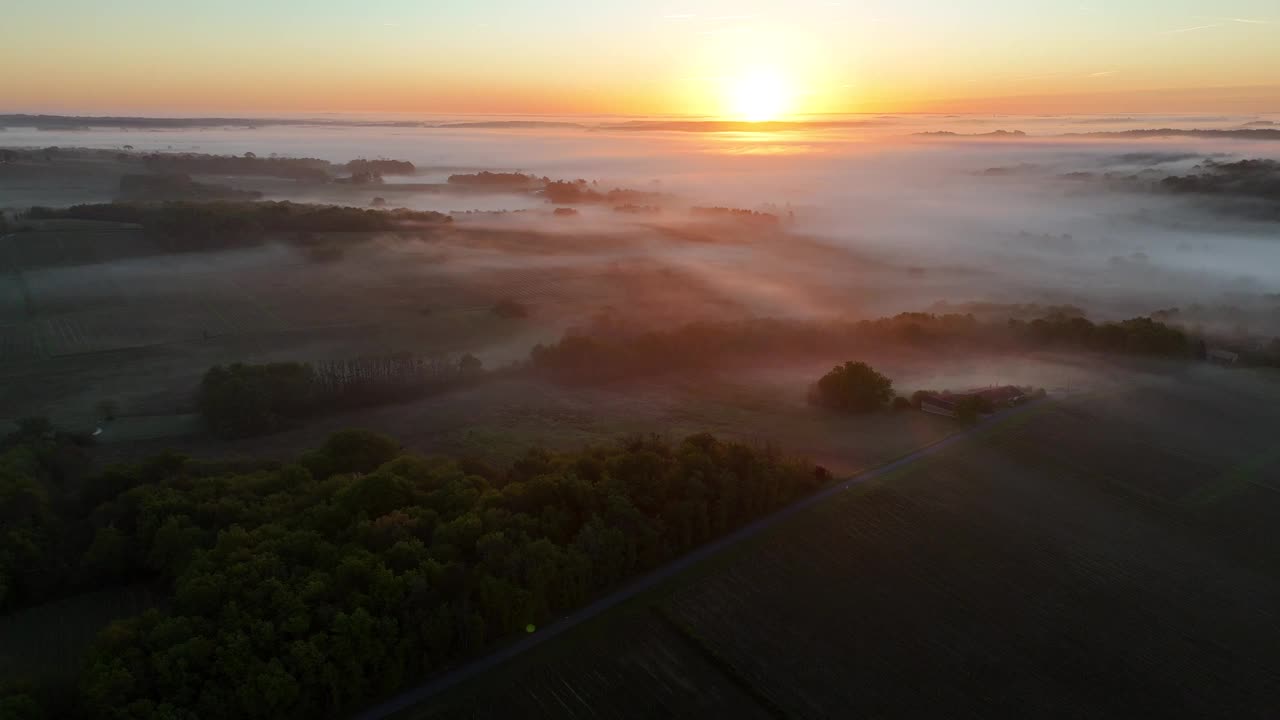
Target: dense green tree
point(304, 590)
point(853, 387)
point(241, 400)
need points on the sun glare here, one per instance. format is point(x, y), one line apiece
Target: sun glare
point(759, 95)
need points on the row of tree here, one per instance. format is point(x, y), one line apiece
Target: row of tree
point(243, 400)
point(381, 166)
point(750, 216)
point(509, 180)
point(308, 589)
point(611, 348)
point(578, 192)
point(313, 169)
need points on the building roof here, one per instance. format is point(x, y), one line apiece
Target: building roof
point(997, 395)
point(940, 401)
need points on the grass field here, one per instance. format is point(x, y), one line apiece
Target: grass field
point(93, 311)
point(1107, 555)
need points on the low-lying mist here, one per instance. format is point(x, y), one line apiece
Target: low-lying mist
point(873, 217)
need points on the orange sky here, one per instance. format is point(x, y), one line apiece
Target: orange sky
point(732, 58)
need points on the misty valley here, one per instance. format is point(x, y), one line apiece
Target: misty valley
point(604, 418)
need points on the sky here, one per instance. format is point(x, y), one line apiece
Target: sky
point(741, 59)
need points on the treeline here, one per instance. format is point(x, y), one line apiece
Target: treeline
point(497, 179)
point(580, 192)
point(240, 400)
point(561, 192)
point(1243, 179)
point(633, 209)
point(610, 349)
point(312, 169)
point(310, 589)
point(751, 216)
point(1140, 335)
point(185, 226)
point(381, 167)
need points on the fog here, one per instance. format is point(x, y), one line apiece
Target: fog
point(875, 217)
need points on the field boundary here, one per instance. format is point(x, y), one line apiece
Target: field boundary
point(722, 664)
point(420, 694)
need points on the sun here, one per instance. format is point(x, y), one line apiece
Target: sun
point(759, 95)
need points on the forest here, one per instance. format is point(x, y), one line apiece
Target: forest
point(307, 589)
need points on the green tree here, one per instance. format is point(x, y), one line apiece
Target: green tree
point(853, 387)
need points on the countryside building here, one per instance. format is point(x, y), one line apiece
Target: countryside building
point(939, 405)
point(993, 397)
point(1002, 396)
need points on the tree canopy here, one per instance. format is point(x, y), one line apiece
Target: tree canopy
point(243, 400)
point(853, 387)
point(306, 589)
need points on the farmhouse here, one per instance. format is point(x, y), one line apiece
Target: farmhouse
point(939, 405)
point(1000, 396)
point(990, 397)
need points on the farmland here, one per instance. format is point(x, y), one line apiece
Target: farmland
point(1107, 555)
point(96, 311)
point(600, 671)
point(90, 311)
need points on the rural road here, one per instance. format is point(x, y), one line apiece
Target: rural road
point(418, 695)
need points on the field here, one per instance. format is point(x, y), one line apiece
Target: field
point(597, 677)
point(95, 311)
point(1105, 555)
point(99, 311)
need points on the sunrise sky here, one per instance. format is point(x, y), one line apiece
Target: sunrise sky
point(747, 59)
